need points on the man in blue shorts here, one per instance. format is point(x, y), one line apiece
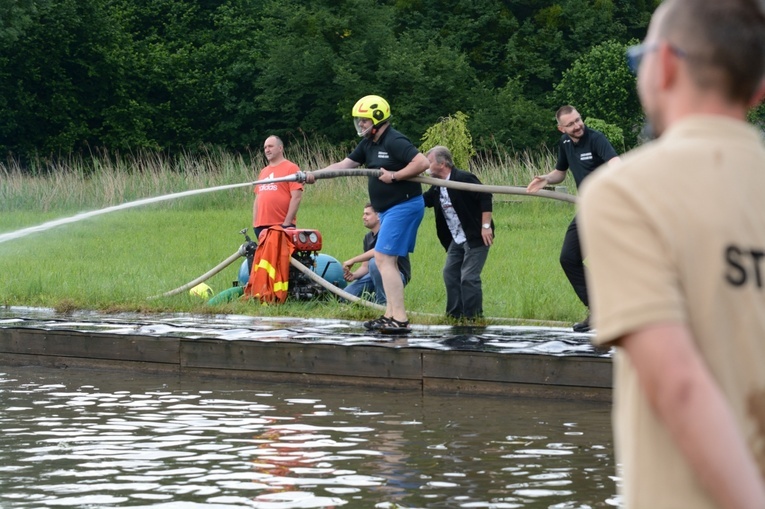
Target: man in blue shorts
point(397, 200)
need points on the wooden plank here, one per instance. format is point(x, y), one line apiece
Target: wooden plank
point(124, 368)
point(518, 368)
point(90, 345)
point(506, 389)
point(340, 360)
point(305, 379)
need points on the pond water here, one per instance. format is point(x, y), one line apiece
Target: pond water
point(98, 439)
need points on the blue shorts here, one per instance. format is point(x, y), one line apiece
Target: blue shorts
point(398, 227)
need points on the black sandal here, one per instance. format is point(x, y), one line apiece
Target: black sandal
point(377, 323)
point(393, 326)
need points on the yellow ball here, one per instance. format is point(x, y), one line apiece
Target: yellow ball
point(202, 291)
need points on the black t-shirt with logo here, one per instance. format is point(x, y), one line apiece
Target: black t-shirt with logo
point(592, 150)
point(393, 151)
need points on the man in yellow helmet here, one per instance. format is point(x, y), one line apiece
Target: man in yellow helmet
point(397, 200)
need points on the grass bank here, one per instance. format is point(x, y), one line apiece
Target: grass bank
point(114, 262)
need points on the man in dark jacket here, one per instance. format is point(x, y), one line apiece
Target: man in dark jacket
point(465, 229)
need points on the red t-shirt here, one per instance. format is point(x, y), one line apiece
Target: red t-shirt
point(274, 199)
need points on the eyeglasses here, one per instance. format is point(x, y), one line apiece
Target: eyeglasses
point(577, 120)
point(635, 54)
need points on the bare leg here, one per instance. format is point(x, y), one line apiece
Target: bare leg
point(394, 287)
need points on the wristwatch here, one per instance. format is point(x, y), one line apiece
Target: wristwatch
point(486, 226)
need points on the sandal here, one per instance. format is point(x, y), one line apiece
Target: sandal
point(393, 326)
point(377, 323)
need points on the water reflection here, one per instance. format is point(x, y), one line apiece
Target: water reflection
point(86, 438)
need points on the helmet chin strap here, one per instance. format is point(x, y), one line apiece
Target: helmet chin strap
point(375, 129)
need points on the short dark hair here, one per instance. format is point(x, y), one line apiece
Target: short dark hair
point(279, 140)
point(368, 205)
point(563, 110)
point(722, 41)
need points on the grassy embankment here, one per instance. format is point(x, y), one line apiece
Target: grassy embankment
point(113, 262)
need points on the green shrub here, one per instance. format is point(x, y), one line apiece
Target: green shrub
point(613, 132)
point(451, 132)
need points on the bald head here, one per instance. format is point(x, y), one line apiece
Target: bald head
point(273, 148)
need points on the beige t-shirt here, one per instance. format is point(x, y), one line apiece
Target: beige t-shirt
point(676, 233)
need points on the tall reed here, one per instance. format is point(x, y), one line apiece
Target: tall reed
point(101, 179)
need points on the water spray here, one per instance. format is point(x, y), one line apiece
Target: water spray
point(137, 203)
point(296, 177)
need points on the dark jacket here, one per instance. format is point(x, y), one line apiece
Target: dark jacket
point(469, 205)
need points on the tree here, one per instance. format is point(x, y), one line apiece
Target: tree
point(613, 133)
point(15, 17)
point(507, 119)
point(57, 76)
point(173, 71)
point(552, 34)
point(599, 84)
point(423, 81)
point(757, 116)
point(179, 74)
point(478, 29)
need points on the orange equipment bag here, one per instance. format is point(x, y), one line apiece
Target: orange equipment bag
point(269, 276)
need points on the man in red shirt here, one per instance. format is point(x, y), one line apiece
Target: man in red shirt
point(276, 203)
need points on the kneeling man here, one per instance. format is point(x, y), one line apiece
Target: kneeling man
point(366, 281)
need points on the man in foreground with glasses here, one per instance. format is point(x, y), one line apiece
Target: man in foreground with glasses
point(675, 243)
point(583, 150)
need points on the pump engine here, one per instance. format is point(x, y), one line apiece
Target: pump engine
point(307, 244)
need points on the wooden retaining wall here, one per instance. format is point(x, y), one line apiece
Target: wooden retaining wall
point(389, 367)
